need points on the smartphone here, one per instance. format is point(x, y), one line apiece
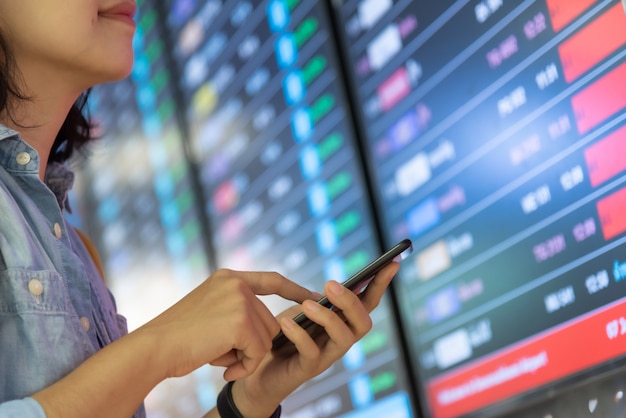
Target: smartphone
point(357, 284)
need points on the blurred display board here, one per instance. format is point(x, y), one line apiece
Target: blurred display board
point(495, 134)
point(271, 133)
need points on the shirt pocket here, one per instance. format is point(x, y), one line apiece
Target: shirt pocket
point(40, 334)
point(25, 291)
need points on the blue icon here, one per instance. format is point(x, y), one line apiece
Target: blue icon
point(181, 11)
point(286, 50)
point(310, 163)
point(138, 41)
point(170, 215)
point(404, 131)
point(152, 127)
point(95, 100)
point(326, 237)
point(318, 199)
point(396, 405)
point(333, 270)
point(164, 186)
point(301, 124)
point(443, 304)
point(141, 68)
point(423, 216)
point(277, 15)
point(146, 98)
point(360, 391)
point(294, 87)
point(108, 210)
point(176, 245)
point(355, 357)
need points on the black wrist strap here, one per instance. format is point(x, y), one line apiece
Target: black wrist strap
point(226, 405)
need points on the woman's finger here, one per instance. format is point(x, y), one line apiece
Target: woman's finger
point(266, 283)
point(338, 331)
point(226, 360)
point(377, 287)
point(303, 342)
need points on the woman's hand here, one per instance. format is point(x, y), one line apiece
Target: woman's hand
point(222, 319)
point(258, 394)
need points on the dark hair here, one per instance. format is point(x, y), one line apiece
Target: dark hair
point(76, 130)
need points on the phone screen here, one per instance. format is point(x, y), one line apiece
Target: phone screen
point(357, 283)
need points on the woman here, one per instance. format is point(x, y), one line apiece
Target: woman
point(64, 350)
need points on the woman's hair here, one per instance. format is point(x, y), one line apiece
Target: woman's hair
point(76, 130)
point(74, 133)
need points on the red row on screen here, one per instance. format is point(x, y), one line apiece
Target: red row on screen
point(593, 43)
point(605, 159)
point(562, 12)
point(601, 99)
point(586, 341)
point(611, 213)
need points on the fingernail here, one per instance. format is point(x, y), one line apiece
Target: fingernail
point(336, 288)
point(311, 306)
point(287, 323)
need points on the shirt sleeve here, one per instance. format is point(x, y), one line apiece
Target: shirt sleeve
point(22, 408)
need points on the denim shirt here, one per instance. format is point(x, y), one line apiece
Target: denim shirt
point(55, 310)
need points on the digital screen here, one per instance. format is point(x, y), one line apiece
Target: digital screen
point(272, 137)
point(135, 199)
point(496, 137)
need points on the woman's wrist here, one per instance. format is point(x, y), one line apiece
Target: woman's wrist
point(228, 409)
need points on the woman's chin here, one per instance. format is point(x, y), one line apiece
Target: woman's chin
point(109, 75)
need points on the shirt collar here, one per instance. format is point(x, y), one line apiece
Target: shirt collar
point(6, 132)
point(58, 177)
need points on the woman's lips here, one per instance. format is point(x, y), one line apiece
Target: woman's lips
point(124, 12)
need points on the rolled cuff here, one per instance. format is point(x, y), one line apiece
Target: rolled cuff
point(22, 408)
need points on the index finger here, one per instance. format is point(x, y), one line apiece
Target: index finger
point(268, 283)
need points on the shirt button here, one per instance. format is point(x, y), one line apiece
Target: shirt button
point(35, 287)
point(84, 321)
point(22, 158)
point(58, 232)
